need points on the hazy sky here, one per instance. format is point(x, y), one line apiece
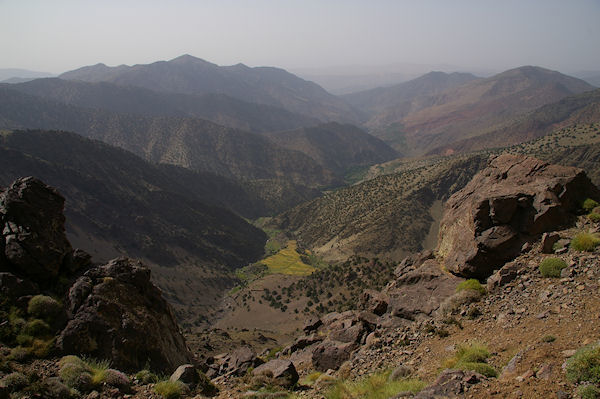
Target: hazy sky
point(59, 35)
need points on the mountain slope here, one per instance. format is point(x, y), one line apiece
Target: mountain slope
point(218, 108)
point(192, 143)
point(336, 147)
point(475, 108)
point(582, 108)
point(387, 217)
point(191, 75)
point(118, 204)
point(406, 97)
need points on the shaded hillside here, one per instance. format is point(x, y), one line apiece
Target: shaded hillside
point(388, 216)
point(475, 108)
point(401, 99)
point(195, 144)
point(191, 75)
point(118, 204)
point(218, 108)
point(582, 108)
point(336, 147)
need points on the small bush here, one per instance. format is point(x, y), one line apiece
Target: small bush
point(471, 284)
point(585, 242)
point(37, 328)
point(18, 354)
point(146, 377)
point(14, 382)
point(594, 217)
point(375, 386)
point(551, 267)
point(584, 366)
point(41, 348)
point(472, 357)
point(82, 374)
point(169, 389)
point(44, 307)
point(588, 392)
point(548, 338)
point(589, 204)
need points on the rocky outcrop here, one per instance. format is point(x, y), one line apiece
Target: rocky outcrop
point(33, 243)
point(509, 203)
point(235, 363)
point(281, 372)
point(450, 384)
point(420, 290)
point(118, 314)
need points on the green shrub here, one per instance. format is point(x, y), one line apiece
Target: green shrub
point(585, 242)
point(41, 348)
point(18, 354)
point(82, 374)
point(169, 389)
point(14, 382)
point(37, 328)
point(24, 340)
point(481, 368)
point(473, 353)
point(376, 386)
point(44, 307)
point(589, 204)
point(588, 392)
point(594, 217)
point(472, 357)
point(146, 377)
point(471, 284)
point(551, 267)
point(584, 366)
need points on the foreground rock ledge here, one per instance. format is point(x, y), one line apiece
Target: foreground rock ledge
point(510, 202)
point(118, 314)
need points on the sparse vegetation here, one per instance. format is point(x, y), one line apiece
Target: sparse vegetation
point(589, 204)
point(82, 374)
point(146, 377)
point(169, 389)
point(551, 267)
point(585, 242)
point(588, 392)
point(548, 338)
point(584, 366)
point(471, 284)
point(376, 386)
point(594, 217)
point(44, 307)
point(472, 357)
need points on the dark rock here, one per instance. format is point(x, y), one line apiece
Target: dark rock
point(312, 324)
point(400, 372)
point(14, 287)
point(505, 275)
point(237, 362)
point(374, 302)
point(348, 333)
point(449, 384)
point(548, 241)
point(282, 372)
point(512, 201)
point(330, 355)
point(304, 342)
point(420, 292)
point(186, 374)
point(118, 314)
point(54, 389)
point(33, 241)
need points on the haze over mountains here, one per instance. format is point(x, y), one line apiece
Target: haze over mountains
point(191, 75)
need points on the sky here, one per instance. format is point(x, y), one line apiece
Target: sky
point(59, 35)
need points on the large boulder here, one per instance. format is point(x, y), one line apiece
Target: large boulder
point(451, 384)
point(118, 314)
point(512, 201)
point(281, 372)
point(32, 241)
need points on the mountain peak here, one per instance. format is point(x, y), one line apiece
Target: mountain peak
point(187, 59)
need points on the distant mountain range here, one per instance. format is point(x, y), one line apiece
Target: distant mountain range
point(436, 110)
point(218, 108)
point(15, 75)
point(191, 75)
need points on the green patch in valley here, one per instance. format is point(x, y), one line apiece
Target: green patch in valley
point(288, 261)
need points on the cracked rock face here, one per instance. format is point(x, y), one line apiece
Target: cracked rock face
point(512, 201)
point(117, 313)
point(33, 237)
